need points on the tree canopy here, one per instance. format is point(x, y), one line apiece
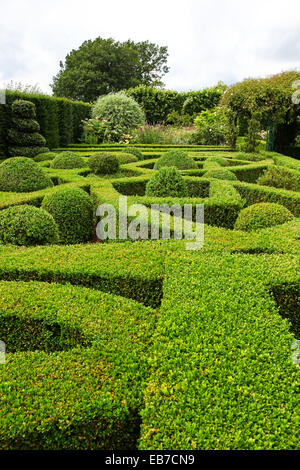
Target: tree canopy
point(103, 66)
point(269, 100)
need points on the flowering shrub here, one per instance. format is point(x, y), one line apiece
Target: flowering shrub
point(212, 127)
point(97, 131)
point(160, 134)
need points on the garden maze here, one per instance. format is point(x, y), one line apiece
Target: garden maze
point(145, 345)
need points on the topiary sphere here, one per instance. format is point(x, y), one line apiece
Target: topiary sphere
point(176, 158)
point(126, 158)
point(220, 174)
point(22, 175)
point(167, 182)
point(72, 210)
point(27, 225)
point(103, 163)
point(136, 152)
point(119, 109)
point(261, 215)
point(68, 160)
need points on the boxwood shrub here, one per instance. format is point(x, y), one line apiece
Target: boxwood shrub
point(220, 174)
point(280, 177)
point(262, 215)
point(102, 163)
point(68, 160)
point(167, 182)
point(126, 157)
point(72, 210)
point(136, 152)
point(20, 174)
point(41, 157)
point(221, 374)
point(177, 158)
point(75, 367)
point(27, 225)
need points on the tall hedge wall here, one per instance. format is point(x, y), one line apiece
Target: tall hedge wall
point(59, 118)
point(157, 104)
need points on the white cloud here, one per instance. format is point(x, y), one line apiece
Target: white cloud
point(208, 41)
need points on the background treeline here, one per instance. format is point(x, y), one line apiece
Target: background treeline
point(59, 118)
point(158, 104)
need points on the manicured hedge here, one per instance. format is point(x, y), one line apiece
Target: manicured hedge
point(73, 398)
point(59, 118)
point(157, 104)
point(111, 267)
point(221, 370)
point(254, 193)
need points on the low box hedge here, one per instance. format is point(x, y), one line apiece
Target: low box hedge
point(75, 367)
point(221, 370)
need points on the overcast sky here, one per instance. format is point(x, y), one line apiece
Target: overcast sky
point(208, 40)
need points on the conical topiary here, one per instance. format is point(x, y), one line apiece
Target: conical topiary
point(24, 137)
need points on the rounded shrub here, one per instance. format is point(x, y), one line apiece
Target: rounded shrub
point(119, 109)
point(167, 182)
point(261, 215)
point(126, 158)
point(102, 163)
point(279, 177)
point(72, 210)
point(42, 157)
point(27, 225)
point(220, 174)
point(177, 158)
point(136, 152)
point(67, 161)
point(22, 175)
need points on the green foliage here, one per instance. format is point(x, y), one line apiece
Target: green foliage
point(262, 215)
point(103, 66)
point(68, 160)
point(255, 193)
point(27, 225)
point(103, 163)
point(22, 175)
point(212, 127)
point(118, 272)
point(167, 182)
point(119, 109)
point(126, 157)
point(252, 138)
point(279, 177)
point(41, 157)
point(221, 356)
point(72, 210)
point(250, 157)
point(80, 348)
point(177, 158)
point(136, 152)
point(220, 174)
point(25, 142)
point(58, 124)
point(270, 99)
point(159, 104)
point(97, 131)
